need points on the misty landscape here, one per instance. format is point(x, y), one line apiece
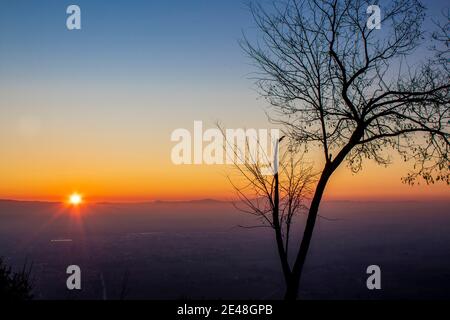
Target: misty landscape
point(196, 250)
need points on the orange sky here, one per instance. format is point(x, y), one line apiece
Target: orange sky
point(123, 178)
point(48, 152)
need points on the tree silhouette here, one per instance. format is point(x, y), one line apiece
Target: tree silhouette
point(351, 91)
point(277, 198)
point(15, 286)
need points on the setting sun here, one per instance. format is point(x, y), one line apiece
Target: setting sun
point(75, 199)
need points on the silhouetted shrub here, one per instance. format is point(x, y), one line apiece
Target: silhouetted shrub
point(15, 285)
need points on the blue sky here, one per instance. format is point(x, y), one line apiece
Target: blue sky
point(142, 52)
point(158, 40)
point(165, 43)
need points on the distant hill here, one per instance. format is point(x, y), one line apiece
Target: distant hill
point(199, 201)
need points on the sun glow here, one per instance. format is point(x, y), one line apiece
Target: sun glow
point(75, 199)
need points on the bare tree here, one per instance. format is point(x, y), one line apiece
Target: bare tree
point(352, 91)
point(441, 44)
point(275, 199)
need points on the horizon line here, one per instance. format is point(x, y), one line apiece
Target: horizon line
point(214, 200)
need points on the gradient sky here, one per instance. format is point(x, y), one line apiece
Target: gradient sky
point(92, 110)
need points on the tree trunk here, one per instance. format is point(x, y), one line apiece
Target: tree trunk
point(278, 235)
point(292, 289)
point(294, 281)
point(330, 167)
